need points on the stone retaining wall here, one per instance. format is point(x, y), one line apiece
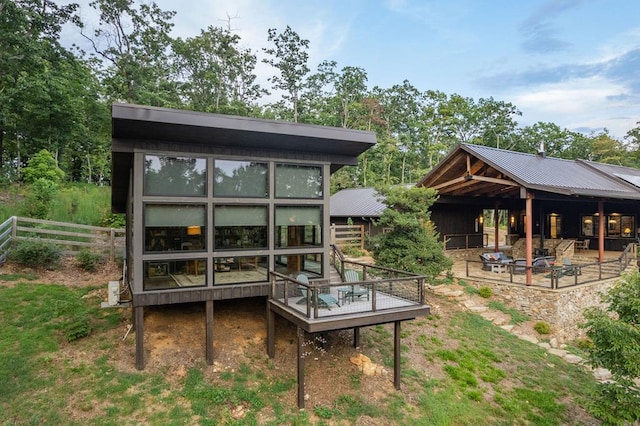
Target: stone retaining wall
point(562, 309)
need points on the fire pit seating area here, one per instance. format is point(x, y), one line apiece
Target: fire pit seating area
point(491, 259)
point(539, 264)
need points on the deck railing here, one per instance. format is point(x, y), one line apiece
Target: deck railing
point(557, 276)
point(322, 299)
point(70, 236)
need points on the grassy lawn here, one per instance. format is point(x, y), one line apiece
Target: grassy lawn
point(458, 369)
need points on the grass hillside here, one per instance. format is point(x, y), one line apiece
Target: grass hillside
point(63, 360)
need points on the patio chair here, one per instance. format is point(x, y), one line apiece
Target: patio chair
point(324, 300)
point(498, 258)
point(355, 290)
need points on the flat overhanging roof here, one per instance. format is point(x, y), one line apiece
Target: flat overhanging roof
point(193, 132)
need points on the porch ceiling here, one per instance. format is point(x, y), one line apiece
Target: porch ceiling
point(466, 175)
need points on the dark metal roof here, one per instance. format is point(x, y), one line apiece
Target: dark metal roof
point(356, 202)
point(504, 172)
point(193, 132)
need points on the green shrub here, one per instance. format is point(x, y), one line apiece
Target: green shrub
point(89, 260)
point(38, 201)
point(485, 292)
point(542, 327)
point(78, 327)
point(36, 254)
point(584, 344)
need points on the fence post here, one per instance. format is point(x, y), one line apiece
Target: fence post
point(332, 230)
point(112, 245)
point(14, 227)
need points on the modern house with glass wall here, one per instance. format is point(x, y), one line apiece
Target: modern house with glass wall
point(214, 202)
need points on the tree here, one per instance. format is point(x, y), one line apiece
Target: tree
point(411, 243)
point(133, 45)
point(43, 166)
point(615, 333)
point(289, 56)
point(216, 75)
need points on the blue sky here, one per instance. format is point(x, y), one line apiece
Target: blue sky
point(575, 63)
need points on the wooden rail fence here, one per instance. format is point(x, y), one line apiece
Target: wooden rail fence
point(347, 235)
point(70, 236)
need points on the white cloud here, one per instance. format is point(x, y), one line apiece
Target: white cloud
point(579, 103)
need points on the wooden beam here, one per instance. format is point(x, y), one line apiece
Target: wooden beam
point(300, 338)
point(271, 332)
point(494, 180)
point(450, 182)
point(529, 238)
point(396, 354)
point(209, 331)
point(139, 324)
point(356, 337)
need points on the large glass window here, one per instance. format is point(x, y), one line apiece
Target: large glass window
point(298, 226)
point(174, 227)
point(167, 274)
point(240, 179)
point(616, 225)
point(296, 181)
point(165, 175)
point(240, 227)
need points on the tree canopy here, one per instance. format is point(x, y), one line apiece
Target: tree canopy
point(58, 98)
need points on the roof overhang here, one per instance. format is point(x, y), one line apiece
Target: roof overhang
point(192, 132)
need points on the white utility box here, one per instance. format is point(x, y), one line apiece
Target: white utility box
point(113, 291)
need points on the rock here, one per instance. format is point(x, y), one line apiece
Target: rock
point(478, 309)
point(544, 345)
point(602, 374)
point(573, 359)
point(507, 327)
point(360, 359)
point(558, 352)
point(529, 338)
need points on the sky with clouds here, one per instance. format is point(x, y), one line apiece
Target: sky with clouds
point(575, 63)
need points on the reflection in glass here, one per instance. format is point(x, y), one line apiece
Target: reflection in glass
point(298, 226)
point(240, 179)
point(241, 269)
point(165, 175)
point(296, 181)
point(291, 264)
point(238, 227)
point(167, 274)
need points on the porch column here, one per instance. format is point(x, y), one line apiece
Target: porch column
point(496, 233)
point(601, 226)
point(209, 331)
point(356, 337)
point(529, 237)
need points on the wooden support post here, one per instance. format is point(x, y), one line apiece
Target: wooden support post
point(271, 332)
point(529, 238)
point(300, 338)
point(601, 225)
point(138, 320)
point(209, 331)
point(396, 354)
point(356, 337)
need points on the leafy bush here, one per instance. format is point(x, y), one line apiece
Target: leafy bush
point(485, 292)
point(42, 166)
point(78, 327)
point(89, 260)
point(38, 202)
point(36, 254)
point(542, 327)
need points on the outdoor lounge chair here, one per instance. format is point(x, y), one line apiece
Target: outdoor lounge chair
point(356, 290)
point(324, 300)
point(498, 258)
